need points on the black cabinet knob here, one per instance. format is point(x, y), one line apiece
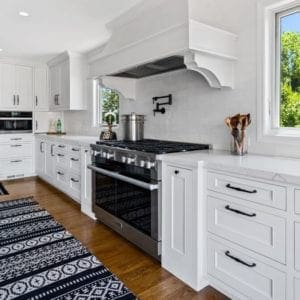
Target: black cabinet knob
point(176, 172)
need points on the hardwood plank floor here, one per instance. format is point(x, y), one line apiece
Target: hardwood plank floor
point(142, 274)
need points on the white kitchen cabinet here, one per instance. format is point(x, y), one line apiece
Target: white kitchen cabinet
point(181, 224)
point(49, 160)
point(40, 157)
point(86, 182)
point(16, 85)
point(67, 82)
point(248, 274)
point(41, 92)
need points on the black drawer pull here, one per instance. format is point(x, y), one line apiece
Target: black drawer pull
point(61, 155)
point(16, 145)
point(75, 149)
point(239, 212)
point(240, 189)
point(74, 159)
point(227, 253)
point(16, 161)
point(74, 180)
point(61, 146)
point(176, 172)
point(60, 173)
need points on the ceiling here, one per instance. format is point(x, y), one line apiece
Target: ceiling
point(54, 26)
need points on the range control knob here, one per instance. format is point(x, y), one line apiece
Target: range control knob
point(142, 163)
point(110, 155)
point(104, 154)
point(150, 164)
point(124, 159)
point(130, 160)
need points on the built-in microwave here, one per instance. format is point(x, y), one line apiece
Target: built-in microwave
point(15, 121)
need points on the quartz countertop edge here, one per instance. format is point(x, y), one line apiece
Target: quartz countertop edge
point(273, 168)
point(81, 140)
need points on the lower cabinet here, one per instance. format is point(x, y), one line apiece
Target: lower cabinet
point(247, 274)
point(181, 226)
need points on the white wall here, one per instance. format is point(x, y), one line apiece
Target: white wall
point(198, 112)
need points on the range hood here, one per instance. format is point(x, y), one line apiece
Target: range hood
point(162, 36)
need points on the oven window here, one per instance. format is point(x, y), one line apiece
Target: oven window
point(126, 201)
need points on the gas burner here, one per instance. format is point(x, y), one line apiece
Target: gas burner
point(155, 146)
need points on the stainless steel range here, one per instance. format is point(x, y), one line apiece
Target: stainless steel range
point(126, 184)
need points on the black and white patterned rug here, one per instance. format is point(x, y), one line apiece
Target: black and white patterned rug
point(39, 259)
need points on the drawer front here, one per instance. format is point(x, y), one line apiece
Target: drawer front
point(61, 158)
point(297, 246)
point(74, 150)
point(61, 177)
point(15, 138)
point(246, 274)
point(297, 201)
point(248, 227)
point(16, 168)
point(258, 192)
point(16, 150)
point(75, 185)
point(61, 148)
point(74, 163)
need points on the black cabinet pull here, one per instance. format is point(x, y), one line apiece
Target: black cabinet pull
point(61, 146)
point(52, 152)
point(14, 99)
point(60, 173)
point(75, 149)
point(41, 147)
point(227, 253)
point(36, 101)
point(229, 186)
point(16, 145)
point(60, 155)
point(18, 99)
point(74, 159)
point(16, 161)
point(176, 172)
point(74, 180)
point(239, 212)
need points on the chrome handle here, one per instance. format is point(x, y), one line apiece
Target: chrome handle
point(52, 151)
point(142, 184)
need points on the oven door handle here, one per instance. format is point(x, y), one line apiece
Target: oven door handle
point(142, 184)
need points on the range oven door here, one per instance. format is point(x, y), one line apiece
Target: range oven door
point(131, 207)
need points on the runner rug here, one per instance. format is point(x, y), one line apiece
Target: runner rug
point(39, 259)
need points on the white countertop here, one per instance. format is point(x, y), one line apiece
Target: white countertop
point(83, 140)
point(280, 169)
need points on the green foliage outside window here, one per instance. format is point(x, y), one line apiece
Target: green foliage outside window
point(290, 79)
point(109, 102)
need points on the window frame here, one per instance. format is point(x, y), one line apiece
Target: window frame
point(98, 122)
point(269, 12)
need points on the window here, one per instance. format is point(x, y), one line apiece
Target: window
point(107, 106)
point(288, 69)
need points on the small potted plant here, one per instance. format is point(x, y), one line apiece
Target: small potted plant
point(109, 134)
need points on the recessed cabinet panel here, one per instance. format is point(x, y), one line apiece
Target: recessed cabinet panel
point(41, 94)
point(258, 192)
point(24, 87)
point(256, 230)
point(7, 86)
point(245, 273)
point(296, 288)
point(297, 246)
point(297, 201)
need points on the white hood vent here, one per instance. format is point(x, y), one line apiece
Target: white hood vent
point(154, 38)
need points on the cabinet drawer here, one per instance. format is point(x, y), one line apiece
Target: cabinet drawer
point(61, 147)
point(75, 185)
point(61, 159)
point(15, 138)
point(258, 192)
point(74, 150)
point(258, 231)
point(16, 150)
point(16, 168)
point(74, 163)
point(250, 276)
point(297, 201)
point(61, 177)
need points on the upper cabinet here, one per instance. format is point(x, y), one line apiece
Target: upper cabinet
point(41, 92)
point(67, 81)
point(16, 87)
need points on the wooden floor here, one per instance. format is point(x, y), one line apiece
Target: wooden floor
point(142, 274)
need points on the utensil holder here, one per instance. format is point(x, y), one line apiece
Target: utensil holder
point(239, 144)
